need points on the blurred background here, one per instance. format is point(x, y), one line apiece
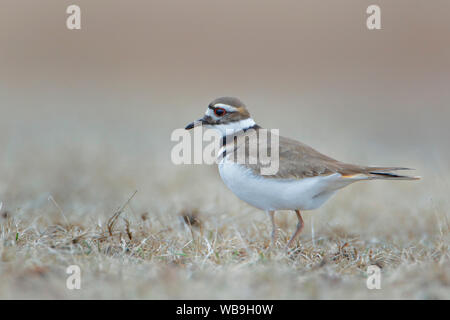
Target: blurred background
point(104, 99)
point(86, 115)
point(139, 69)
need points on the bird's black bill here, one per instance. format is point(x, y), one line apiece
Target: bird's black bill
point(195, 123)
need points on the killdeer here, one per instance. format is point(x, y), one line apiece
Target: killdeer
point(305, 180)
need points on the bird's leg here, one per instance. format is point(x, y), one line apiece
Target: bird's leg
point(274, 226)
point(299, 229)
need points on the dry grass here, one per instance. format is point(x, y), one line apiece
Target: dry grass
point(180, 245)
point(67, 190)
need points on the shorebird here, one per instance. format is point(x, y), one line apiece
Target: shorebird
point(305, 179)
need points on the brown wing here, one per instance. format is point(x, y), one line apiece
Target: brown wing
point(298, 160)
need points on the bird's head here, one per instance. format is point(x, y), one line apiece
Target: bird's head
point(226, 114)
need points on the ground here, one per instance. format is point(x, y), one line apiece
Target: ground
point(183, 235)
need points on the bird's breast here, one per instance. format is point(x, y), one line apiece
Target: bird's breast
point(275, 194)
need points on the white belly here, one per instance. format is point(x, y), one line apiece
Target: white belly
point(279, 194)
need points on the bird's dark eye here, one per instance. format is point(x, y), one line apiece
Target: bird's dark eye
point(220, 112)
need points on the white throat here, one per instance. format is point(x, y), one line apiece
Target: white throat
point(233, 127)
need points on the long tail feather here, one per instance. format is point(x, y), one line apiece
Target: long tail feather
point(386, 173)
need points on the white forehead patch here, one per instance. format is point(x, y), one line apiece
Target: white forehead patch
point(210, 112)
point(227, 107)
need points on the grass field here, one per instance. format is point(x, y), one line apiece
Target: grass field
point(184, 235)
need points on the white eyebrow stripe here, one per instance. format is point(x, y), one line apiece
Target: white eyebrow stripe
point(225, 106)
